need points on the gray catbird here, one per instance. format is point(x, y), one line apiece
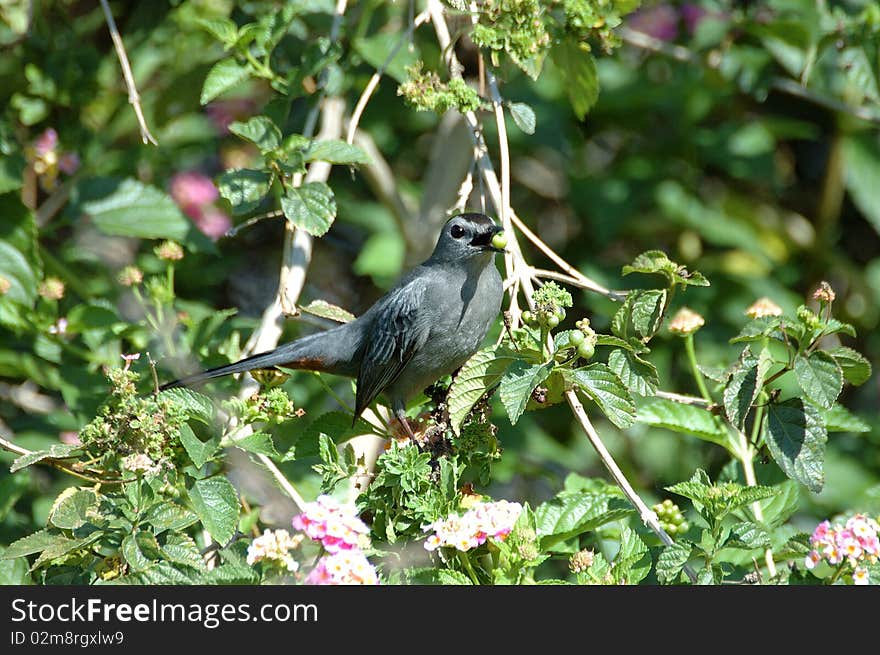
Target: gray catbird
point(424, 328)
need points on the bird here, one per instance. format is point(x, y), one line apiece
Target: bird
point(424, 328)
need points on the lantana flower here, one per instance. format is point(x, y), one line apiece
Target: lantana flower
point(274, 546)
point(483, 521)
point(853, 545)
point(335, 525)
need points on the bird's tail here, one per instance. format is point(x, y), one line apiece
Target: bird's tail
point(314, 353)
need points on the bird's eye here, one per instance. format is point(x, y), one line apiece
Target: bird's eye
point(457, 231)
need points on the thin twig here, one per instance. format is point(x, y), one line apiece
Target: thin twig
point(7, 445)
point(684, 400)
point(377, 76)
point(283, 482)
point(648, 516)
point(133, 97)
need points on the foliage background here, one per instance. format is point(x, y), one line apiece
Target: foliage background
point(710, 159)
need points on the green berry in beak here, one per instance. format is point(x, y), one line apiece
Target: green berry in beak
point(499, 241)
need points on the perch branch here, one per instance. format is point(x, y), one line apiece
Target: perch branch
point(134, 97)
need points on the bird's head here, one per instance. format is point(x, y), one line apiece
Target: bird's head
point(468, 236)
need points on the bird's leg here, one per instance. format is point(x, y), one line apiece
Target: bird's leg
point(400, 415)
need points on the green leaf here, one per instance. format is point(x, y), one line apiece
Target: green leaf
point(199, 451)
point(336, 425)
point(856, 369)
point(310, 207)
point(222, 29)
point(329, 311)
point(216, 503)
point(759, 328)
point(578, 68)
point(685, 419)
point(259, 130)
point(224, 75)
point(796, 437)
point(14, 267)
point(335, 151)
point(744, 385)
point(431, 576)
point(748, 535)
point(656, 261)
point(56, 451)
point(129, 208)
point(33, 543)
point(70, 510)
point(517, 385)
point(672, 560)
point(14, 571)
point(633, 561)
point(260, 443)
point(861, 153)
point(140, 550)
point(640, 315)
point(244, 188)
point(603, 387)
point(168, 516)
point(639, 376)
point(840, 419)
point(198, 406)
point(376, 49)
point(523, 115)
point(820, 377)
point(181, 549)
point(569, 515)
point(11, 172)
point(479, 374)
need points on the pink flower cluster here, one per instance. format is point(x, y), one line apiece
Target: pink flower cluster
point(346, 567)
point(47, 159)
point(662, 21)
point(855, 543)
point(336, 526)
point(196, 194)
point(481, 522)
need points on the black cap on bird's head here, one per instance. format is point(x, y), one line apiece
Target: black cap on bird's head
point(465, 236)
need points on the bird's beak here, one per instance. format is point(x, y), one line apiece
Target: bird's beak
point(483, 240)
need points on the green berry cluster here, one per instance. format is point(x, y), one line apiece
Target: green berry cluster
point(550, 303)
point(584, 338)
point(424, 91)
point(671, 518)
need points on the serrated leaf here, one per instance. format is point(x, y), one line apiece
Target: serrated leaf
point(672, 560)
point(223, 76)
point(140, 550)
point(744, 385)
point(856, 369)
point(329, 311)
point(796, 437)
point(633, 561)
point(130, 208)
point(199, 451)
point(33, 543)
point(259, 130)
point(168, 516)
point(335, 151)
point(603, 387)
point(222, 29)
point(14, 571)
point(216, 503)
point(640, 315)
point(566, 516)
point(748, 535)
point(617, 342)
point(70, 510)
point(656, 261)
point(479, 374)
point(310, 207)
point(759, 328)
point(244, 188)
point(578, 68)
point(639, 376)
point(181, 549)
point(198, 406)
point(820, 377)
point(260, 443)
point(840, 419)
point(336, 425)
point(524, 116)
point(56, 451)
point(517, 384)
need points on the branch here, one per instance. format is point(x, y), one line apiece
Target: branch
point(374, 80)
point(133, 97)
point(55, 463)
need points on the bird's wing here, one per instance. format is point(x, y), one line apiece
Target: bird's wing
point(397, 333)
